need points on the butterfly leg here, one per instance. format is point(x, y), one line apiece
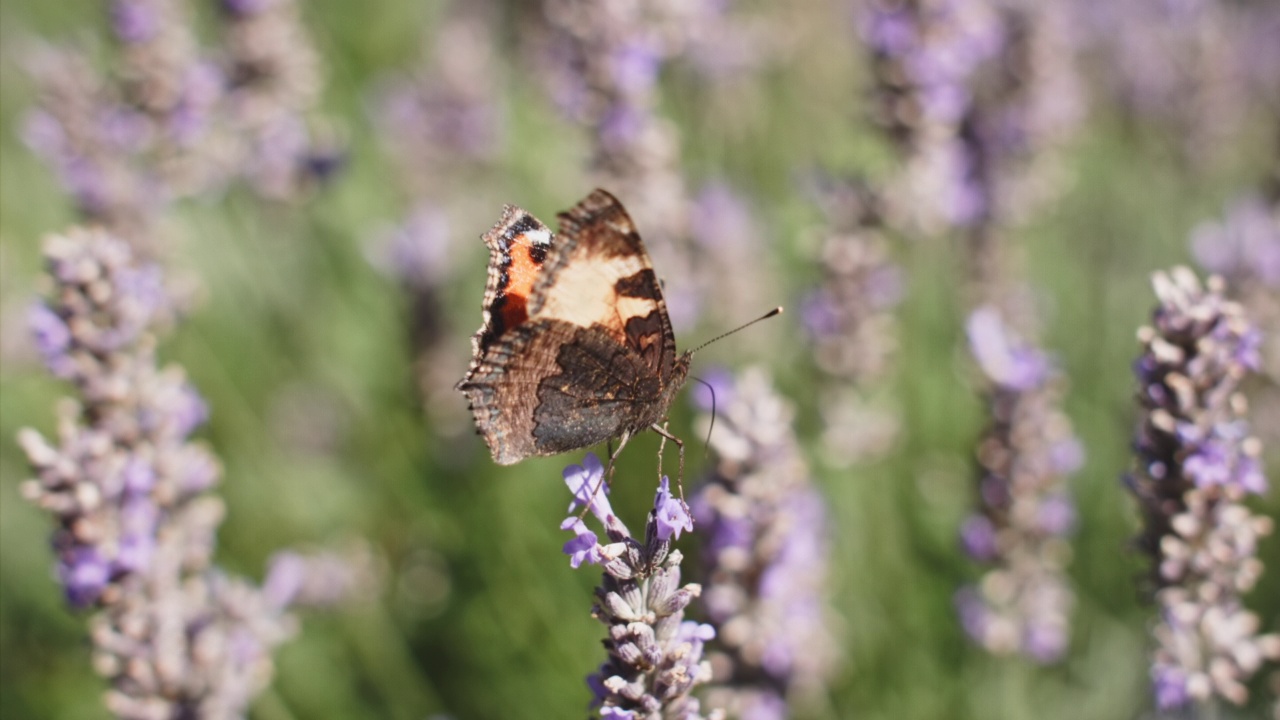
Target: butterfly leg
point(662, 449)
point(606, 478)
point(662, 431)
point(613, 455)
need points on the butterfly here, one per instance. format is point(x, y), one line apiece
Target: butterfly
point(576, 346)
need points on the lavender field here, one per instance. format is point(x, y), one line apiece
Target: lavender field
point(1005, 455)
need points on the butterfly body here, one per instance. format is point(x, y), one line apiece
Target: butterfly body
point(576, 346)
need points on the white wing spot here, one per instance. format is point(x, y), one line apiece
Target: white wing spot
point(539, 237)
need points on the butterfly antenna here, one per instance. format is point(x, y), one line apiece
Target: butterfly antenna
point(744, 326)
point(706, 445)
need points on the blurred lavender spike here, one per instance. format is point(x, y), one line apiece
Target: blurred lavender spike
point(91, 140)
point(444, 118)
point(1195, 69)
point(1196, 464)
point(1023, 603)
point(977, 95)
point(135, 523)
point(1244, 248)
point(655, 655)
point(765, 556)
point(165, 78)
point(441, 126)
point(850, 318)
point(275, 80)
point(603, 61)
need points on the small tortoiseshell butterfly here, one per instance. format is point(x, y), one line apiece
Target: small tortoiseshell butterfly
point(576, 346)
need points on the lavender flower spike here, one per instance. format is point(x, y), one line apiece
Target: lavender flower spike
point(135, 525)
point(765, 551)
point(655, 655)
point(1023, 602)
point(1196, 465)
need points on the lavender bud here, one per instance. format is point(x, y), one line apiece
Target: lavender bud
point(1195, 465)
point(652, 665)
point(1023, 602)
point(765, 554)
point(134, 527)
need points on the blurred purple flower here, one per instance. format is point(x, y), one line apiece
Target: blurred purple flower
point(52, 339)
point(1005, 358)
point(1196, 463)
point(134, 529)
point(978, 536)
point(1057, 514)
point(765, 548)
point(134, 21)
point(634, 64)
point(819, 314)
point(1245, 243)
point(1170, 687)
point(1067, 456)
point(720, 220)
point(717, 391)
point(621, 127)
point(1023, 601)
point(84, 574)
point(419, 251)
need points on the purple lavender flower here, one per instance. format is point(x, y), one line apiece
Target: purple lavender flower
point(91, 141)
point(603, 60)
point(586, 482)
point(134, 21)
point(717, 392)
point(973, 93)
point(1186, 67)
point(1196, 464)
point(1023, 602)
point(978, 537)
point(134, 527)
point(670, 514)
point(655, 656)
point(274, 84)
point(1244, 247)
point(84, 574)
point(444, 118)
point(850, 315)
point(1244, 244)
point(764, 544)
point(585, 545)
point(52, 338)
point(1008, 362)
point(850, 320)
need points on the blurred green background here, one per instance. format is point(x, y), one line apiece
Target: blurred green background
point(301, 349)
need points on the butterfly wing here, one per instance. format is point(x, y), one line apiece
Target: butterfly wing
point(576, 345)
point(548, 386)
point(600, 275)
point(519, 245)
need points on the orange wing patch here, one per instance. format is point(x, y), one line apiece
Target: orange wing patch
point(518, 248)
point(524, 265)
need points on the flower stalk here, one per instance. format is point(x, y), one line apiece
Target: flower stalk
point(1196, 465)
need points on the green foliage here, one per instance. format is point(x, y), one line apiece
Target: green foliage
point(481, 616)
